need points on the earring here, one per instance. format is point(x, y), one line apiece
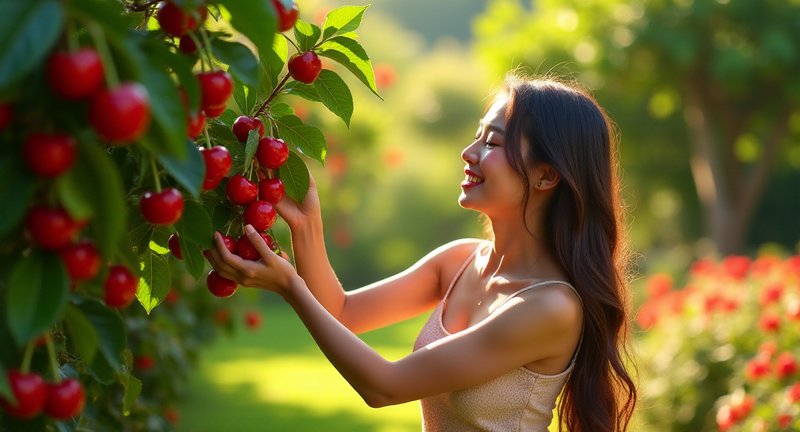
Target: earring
point(539, 184)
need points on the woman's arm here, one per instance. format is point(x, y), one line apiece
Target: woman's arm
point(537, 325)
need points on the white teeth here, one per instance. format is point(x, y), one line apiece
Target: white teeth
point(473, 179)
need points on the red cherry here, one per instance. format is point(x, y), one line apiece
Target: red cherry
point(214, 111)
point(272, 152)
point(176, 21)
point(75, 75)
point(143, 362)
point(260, 214)
point(121, 114)
point(172, 296)
point(220, 286)
point(6, 114)
point(120, 287)
point(244, 124)
point(246, 250)
point(286, 18)
point(82, 260)
point(218, 163)
point(195, 124)
point(271, 190)
point(240, 190)
point(164, 208)
point(30, 391)
point(51, 228)
point(64, 399)
point(187, 45)
point(215, 89)
point(49, 155)
point(172, 415)
point(174, 246)
point(229, 243)
point(252, 319)
point(305, 67)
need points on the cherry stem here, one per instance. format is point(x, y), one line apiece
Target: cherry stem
point(155, 174)
point(51, 353)
point(109, 70)
point(272, 95)
point(205, 47)
point(203, 58)
point(292, 42)
point(26, 358)
point(208, 137)
point(72, 40)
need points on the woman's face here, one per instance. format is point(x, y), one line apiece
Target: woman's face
point(490, 184)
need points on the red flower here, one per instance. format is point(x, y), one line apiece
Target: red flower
point(784, 420)
point(771, 293)
point(741, 407)
point(736, 266)
point(658, 285)
point(647, 316)
point(757, 368)
point(767, 349)
point(764, 265)
point(793, 393)
point(769, 322)
point(703, 267)
point(785, 365)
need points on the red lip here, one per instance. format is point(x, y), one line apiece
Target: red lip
point(466, 184)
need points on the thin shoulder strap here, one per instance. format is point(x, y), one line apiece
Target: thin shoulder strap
point(460, 271)
point(548, 282)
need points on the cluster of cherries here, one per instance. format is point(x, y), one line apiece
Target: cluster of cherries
point(60, 400)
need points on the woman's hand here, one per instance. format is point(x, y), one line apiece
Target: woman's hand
point(300, 215)
point(271, 273)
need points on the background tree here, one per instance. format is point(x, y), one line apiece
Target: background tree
point(719, 75)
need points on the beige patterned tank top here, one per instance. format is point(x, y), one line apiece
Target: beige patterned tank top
point(520, 400)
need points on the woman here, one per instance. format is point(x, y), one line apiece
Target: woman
point(535, 311)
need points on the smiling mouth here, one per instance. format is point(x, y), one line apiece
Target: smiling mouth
point(471, 180)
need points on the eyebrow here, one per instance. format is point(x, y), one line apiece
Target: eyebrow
point(492, 127)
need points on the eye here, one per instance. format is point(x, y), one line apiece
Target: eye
point(491, 140)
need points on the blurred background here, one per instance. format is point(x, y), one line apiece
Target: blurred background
point(705, 97)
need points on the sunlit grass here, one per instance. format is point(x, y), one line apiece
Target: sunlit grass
point(276, 379)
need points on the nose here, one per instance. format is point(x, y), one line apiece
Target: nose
point(470, 153)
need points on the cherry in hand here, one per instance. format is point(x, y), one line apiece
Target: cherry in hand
point(260, 214)
point(246, 250)
point(220, 286)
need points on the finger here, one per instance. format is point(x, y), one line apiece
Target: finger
point(259, 244)
point(220, 265)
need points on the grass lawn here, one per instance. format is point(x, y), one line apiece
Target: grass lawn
point(276, 379)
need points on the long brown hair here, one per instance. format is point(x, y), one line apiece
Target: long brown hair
point(566, 128)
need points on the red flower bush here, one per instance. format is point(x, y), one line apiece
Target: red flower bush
point(720, 351)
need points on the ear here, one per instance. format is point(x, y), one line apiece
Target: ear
point(545, 177)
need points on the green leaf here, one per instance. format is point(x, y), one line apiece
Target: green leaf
point(341, 20)
point(83, 335)
point(272, 62)
point(28, 31)
point(335, 94)
point(306, 34)
point(17, 187)
point(157, 248)
point(5, 389)
point(350, 54)
point(38, 288)
point(280, 109)
point(155, 281)
point(189, 170)
point(305, 91)
point(308, 139)
point(112, 336)
point(255, 20)
point(243, 64)
point(192, 257)
point(133, 387)
point(250, 147)
point(187, 79)
point(73, 188)
point(195, 224)
point(295, 177)
point(105, 193)
point(244, 97)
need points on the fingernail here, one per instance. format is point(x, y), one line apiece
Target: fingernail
point(249, 229)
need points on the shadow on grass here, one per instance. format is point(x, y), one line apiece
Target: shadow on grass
point(276, 379)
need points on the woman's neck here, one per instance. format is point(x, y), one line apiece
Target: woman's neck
point(517, 252)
